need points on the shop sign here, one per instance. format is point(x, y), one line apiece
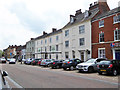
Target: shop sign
point(115, 44)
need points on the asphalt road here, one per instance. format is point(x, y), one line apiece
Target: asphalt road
point(28, 76)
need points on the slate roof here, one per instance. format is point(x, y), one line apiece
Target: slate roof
point(80, 18)
point(108, 13)
point(48, 34)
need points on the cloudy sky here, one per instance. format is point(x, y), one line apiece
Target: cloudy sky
point(21, 20)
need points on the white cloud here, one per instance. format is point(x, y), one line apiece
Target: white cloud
point(21, 20)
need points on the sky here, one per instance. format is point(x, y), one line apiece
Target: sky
point(21, 20)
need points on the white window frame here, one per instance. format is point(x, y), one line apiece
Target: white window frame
point(101, 37)
point(103, 53)
point(57, 38)
point(101, 23)
point(116, 19)
point(81, 29)
point(66, 33)
point(82, 41)
point(66, 43)
point(50, 40)
point(118, 34)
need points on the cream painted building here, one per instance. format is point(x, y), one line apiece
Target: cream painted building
point(49, 45)
point(77, 35)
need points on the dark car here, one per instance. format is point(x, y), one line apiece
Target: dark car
point(56, 64)
point(2, 60)
point(109, 67)
point(35, 61)
point(71, 64)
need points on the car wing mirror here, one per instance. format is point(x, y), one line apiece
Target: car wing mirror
point(4, 73)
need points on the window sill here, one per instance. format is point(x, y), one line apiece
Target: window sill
point(101, 26)
point(116, 22)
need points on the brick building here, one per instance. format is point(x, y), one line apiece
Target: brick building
point(106, 35)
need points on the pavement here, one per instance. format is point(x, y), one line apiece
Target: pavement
point(28, 76)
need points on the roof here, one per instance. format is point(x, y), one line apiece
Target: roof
point(49, 34)
point(80, 18)
point(108, 13)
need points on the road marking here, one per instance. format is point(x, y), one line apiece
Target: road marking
point(16, 84)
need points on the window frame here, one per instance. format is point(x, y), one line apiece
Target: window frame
point(101, 23)
point(103, 52)
point(117, 36)
point(66, 33)
point(83, 41)
point(81, 29)
point(101, 37)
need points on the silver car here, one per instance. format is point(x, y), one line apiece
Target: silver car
point(90, 65)
point(46, 62)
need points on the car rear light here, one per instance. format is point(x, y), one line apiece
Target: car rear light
point(110, 66)
point(68, 62)
point(97, 66)
point(53, 62)
point(33, 61)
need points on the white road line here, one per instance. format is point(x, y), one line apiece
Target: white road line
point(16, 84)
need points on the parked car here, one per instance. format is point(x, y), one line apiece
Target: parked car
point(12, 61)
point(109, 67)
point(46, 62)
point(2, 60)
point(29, 60)
point(90, 65)
point(35, 61)
point(56, 64)
point(71, 64)
point(39, 62)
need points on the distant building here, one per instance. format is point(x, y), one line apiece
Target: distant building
point(30, 48)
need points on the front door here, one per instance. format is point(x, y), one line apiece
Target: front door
point(117, 54)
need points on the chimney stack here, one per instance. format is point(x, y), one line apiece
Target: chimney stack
point(54, 29)
point(44, 33)
point(78, 12)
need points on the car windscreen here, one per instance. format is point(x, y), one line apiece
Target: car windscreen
point(105, 62)
point(90, 61)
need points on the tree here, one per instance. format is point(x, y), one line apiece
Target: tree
point(1, 53)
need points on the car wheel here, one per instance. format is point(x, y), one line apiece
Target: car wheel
point(114, 72)
point(71, 68)
point(90, 69)
point(100, 73)
point(64, 68)
point(57, 67)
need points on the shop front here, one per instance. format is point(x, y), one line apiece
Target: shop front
point(116, 50)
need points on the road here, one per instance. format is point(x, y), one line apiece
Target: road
point(28, 76)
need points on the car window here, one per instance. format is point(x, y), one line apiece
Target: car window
point(90, 61)
point(105, 62)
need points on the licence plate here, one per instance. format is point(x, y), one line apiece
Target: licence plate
point(102, 70)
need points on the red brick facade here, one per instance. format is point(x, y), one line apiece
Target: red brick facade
point(108, 30)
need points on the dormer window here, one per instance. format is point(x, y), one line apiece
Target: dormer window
point(71, 18)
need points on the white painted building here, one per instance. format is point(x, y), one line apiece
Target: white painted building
point(49, 45)
point(77, 35)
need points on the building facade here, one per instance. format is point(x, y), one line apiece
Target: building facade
point(77, 33)
point(49, 45)
point(106, 35)
point(30, 48)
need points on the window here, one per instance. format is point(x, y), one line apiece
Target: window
point(101, 52)
point(101, 23)
point(45, 41)
point(41, 42)
point(82, 41)
point(66, 55)
point(66, 33)
point(117, 34)
point(73, 53)
point(45, 49)
point(50, 48)
point(56, 47)
point(50, 40)
point(101, 37)
point(82, 29)
point(57, 38)
point(116, 19)
point(56, 56)
point(66, 43)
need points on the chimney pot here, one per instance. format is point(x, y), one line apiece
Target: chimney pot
point(54, 29)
